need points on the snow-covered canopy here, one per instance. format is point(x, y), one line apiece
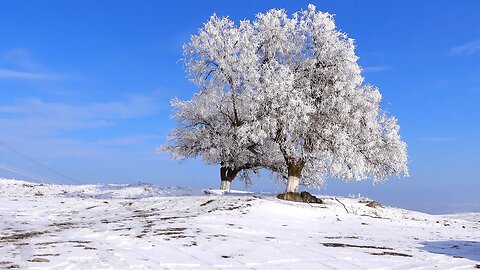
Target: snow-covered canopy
point(285, 93)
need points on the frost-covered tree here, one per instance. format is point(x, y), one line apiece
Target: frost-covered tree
point(216, 123)
point(316, 109)
point(287, 94)
point(204, 131)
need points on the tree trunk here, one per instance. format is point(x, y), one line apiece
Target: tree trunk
point(226, 176)
point(225, 185)
point(294, 173)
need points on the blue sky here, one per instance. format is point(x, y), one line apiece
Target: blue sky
point(85, 89)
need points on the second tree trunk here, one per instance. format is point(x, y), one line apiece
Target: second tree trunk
point(226, 176)
point(294, 173)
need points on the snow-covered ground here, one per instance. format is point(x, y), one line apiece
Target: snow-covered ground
point(147, 227)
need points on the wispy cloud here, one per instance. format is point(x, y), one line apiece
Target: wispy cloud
point(128, 140)
point(376, 68)
point(468, 48)
point(80, 131)
point(15, 74)
point(436, 139)
point(20, 58)
point(18, 64)
point(34, 115)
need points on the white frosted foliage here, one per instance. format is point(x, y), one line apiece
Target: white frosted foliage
point(287, 94)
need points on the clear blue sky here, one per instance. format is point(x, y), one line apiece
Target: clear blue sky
point(85, 89)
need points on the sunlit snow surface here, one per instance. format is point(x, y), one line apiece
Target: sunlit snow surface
point(147, 227)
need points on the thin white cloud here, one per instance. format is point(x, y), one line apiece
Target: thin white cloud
point(18, 64)
point(20, 58)
point(36, 116)
point(436, 139)
point(376, 68)
point(128, 140)
point(15, 74)
point(52, 130)
point(468, 48)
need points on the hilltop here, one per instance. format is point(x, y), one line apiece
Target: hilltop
point(143, 226)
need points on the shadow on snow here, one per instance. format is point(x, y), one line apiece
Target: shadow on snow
point(455, 248)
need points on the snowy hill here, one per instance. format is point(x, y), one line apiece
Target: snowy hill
point(147, 227)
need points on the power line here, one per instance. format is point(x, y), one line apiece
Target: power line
point(24, 173)
point(38, 163)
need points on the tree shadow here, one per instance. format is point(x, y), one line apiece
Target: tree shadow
point(455, 248)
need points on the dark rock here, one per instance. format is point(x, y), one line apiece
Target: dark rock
point(299, 197)
point(374, 204)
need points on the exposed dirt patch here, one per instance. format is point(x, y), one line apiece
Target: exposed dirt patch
point(217, 235)
point(168, 233)
point(48, 243)
point(62, 224)
point(342, 237)
point(80, 242)
point(47, 255)
point(231, 207)
point(304, 196)
point(168, 218)
point(126, 203)
point(62, 242)
point(39, 260)
point(207, 202)
point(180, 236)
point(355, 246)
point(374, 204)
point(172, 229)
point(390, 254)
point(175, 233)
point(21, 236)
point(121, 229)
point(145, 215)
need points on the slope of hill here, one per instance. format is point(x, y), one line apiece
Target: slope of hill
point(45, 226)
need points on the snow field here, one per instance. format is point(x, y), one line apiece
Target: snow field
point(65, 229)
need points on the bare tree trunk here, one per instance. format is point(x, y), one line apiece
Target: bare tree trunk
point(294, 173)
point(225, 185)
point(226, 176)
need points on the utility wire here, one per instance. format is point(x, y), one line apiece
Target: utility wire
point(25, 173)
point(38, 163)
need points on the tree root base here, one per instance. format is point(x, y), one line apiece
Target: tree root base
point(299, 197)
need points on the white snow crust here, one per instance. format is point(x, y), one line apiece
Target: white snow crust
point(44, 226)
